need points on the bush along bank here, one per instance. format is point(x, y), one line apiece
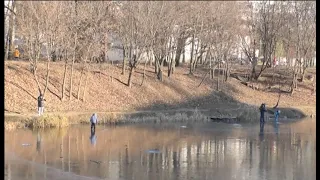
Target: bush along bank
point(248, 114)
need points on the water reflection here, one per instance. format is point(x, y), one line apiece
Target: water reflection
point(198, 152)
point(38, 142)
point(276, 127)
point(93, 137)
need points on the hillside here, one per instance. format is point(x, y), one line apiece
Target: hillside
point(104, 95)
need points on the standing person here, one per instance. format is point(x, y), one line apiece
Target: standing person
point(276, 115)
point(16, 54)
point(93, 121)
point(262, 111)
point(40, 104)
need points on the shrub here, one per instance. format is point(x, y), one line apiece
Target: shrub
point(49, 121)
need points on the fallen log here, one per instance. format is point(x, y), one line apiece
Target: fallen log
point(225, 119)
point(251, 85)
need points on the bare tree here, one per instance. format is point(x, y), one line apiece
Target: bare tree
point(128, 29)
point(52, 31)
point(303, 30)
point(11, 15)
point(29, 26)
point(263, 24)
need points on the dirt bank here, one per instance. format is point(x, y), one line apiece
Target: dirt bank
point(105, 94)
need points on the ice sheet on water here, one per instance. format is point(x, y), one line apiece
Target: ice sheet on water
point(153, 151)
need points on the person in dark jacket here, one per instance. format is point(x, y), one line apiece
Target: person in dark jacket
point(40, 104)
point(262, 111)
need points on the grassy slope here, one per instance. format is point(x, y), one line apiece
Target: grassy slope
point(106, 95)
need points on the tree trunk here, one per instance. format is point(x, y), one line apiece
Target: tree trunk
point(300, 66)
point(159, 67)
point(196, 57)
point(259, 74)
point(191, 55)
point(64, 79)
point(11, 30)
point(160, 73)
point(169, 69)
point(47, 78)
point(144, 72)
point(294, 79)
point(207, 57)
point(210, 66)
point(227, 70)
point(156, 65)
point(180, 46)
point(37, 81)
point(170, 59)
point(85, 86)
point(304, 69)
point(218, 79)
point(9, 34)
point(150, 58)
point(214, 67)
point(314, 84)
point(79, 85)
point(6, 57)
point(6, 46)
point(72, 66)
point(130, 76)
point(71, 78)
point(112, 70)
point(124, 61)
point(172, 67)
point(184, 56)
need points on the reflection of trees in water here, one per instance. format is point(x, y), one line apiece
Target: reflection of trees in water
point(182, 155)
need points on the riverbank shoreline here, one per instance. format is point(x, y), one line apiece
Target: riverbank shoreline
point(238, 114)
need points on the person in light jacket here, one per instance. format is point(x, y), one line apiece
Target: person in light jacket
point(93, 121)
point(276, 115)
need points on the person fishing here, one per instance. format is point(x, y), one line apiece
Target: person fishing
point(93, 121)
point(262, 111)
point(276, 115)
point(40, 104)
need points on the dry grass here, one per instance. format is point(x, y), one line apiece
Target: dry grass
point(103, 95)
point(8, 125)
point(196, 116)
point(157, 117)
point(248, 114)
point(49, 121)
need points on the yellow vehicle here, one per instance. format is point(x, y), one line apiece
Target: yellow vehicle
point(16, 53)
